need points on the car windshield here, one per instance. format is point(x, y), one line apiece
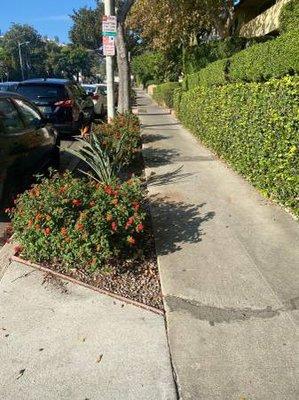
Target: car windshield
point(41, 92)
point(89, 88)
point(102, 89)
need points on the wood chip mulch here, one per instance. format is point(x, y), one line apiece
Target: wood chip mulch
point(136, 279)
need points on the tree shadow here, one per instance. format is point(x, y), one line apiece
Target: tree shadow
point(169, 177)
point(157, 157)
point(176, 223)
point(153, 138)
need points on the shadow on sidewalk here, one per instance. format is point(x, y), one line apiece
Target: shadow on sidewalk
point(153, 138)
point(176, 223)
point(156, 157)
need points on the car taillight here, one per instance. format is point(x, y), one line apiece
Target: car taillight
point(95, 97)
point(64, 103)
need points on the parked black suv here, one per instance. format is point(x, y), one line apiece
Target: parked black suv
point(63, 101)
point(28, 142)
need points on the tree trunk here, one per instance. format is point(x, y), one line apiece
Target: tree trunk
point(123, 71)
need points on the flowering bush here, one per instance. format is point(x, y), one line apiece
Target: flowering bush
point(78, 222)
point(124, 128)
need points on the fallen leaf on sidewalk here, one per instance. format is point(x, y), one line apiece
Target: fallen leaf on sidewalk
point(21, 373)
point(99, 359)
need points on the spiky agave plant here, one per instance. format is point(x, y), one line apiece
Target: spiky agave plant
point(104, 169)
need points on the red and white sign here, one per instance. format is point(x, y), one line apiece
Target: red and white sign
point(109, 25)
point(108, 46)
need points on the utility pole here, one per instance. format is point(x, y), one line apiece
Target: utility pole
point(21, 61)
point(110, 11)
point(21, 58)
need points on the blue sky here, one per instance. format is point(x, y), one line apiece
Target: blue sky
point(49, 17)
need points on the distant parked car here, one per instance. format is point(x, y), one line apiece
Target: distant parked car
point(28, 142)
point(99, 98)
point(8, 86)
point(63, 101)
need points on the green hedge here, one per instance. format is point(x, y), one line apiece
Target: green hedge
point(260, 62)
point(289, 17)
point(198, 57)
point(214, 74)
point(263, 61)
point(163, 94)
point(254, 126)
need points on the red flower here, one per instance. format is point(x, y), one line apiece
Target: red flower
point(77, 203)
point(47, 231)
point(114, 226)
point(92, 203)
point(108, 190)
point(129, 222)
point(131, 240)
point(136, 206)
point(139, 228)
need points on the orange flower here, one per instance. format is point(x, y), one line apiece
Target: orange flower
point(63, 189)
point(77, 202)
point(79, 227)
point(115, 202)
point(92, 203)
point(136, 206)
point(108, 190)
point(63, 231)
point(129, 222)
point(38, 217)
point(131, 240)
point(47, 231)
point(139, 228)
point(114, 226)
point(30, 223)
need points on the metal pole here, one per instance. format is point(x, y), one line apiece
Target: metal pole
point(21, 61)
point(110, 10)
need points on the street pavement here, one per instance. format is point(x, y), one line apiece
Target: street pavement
point(228, 261)
point(62, 341)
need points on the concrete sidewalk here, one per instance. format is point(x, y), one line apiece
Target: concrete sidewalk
point(229, 262)
point(61, 341)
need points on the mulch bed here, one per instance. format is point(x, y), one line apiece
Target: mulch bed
point(136, 279)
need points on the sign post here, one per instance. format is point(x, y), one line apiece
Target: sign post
point(109, 33)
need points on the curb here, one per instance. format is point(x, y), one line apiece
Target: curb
point(86, 285)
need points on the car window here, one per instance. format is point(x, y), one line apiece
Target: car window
point(10, 120)
point(42, 92)
point(29, 114)
point(89, 89)
point(102, 90)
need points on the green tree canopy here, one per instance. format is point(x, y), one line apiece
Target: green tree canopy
point(87, 26)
